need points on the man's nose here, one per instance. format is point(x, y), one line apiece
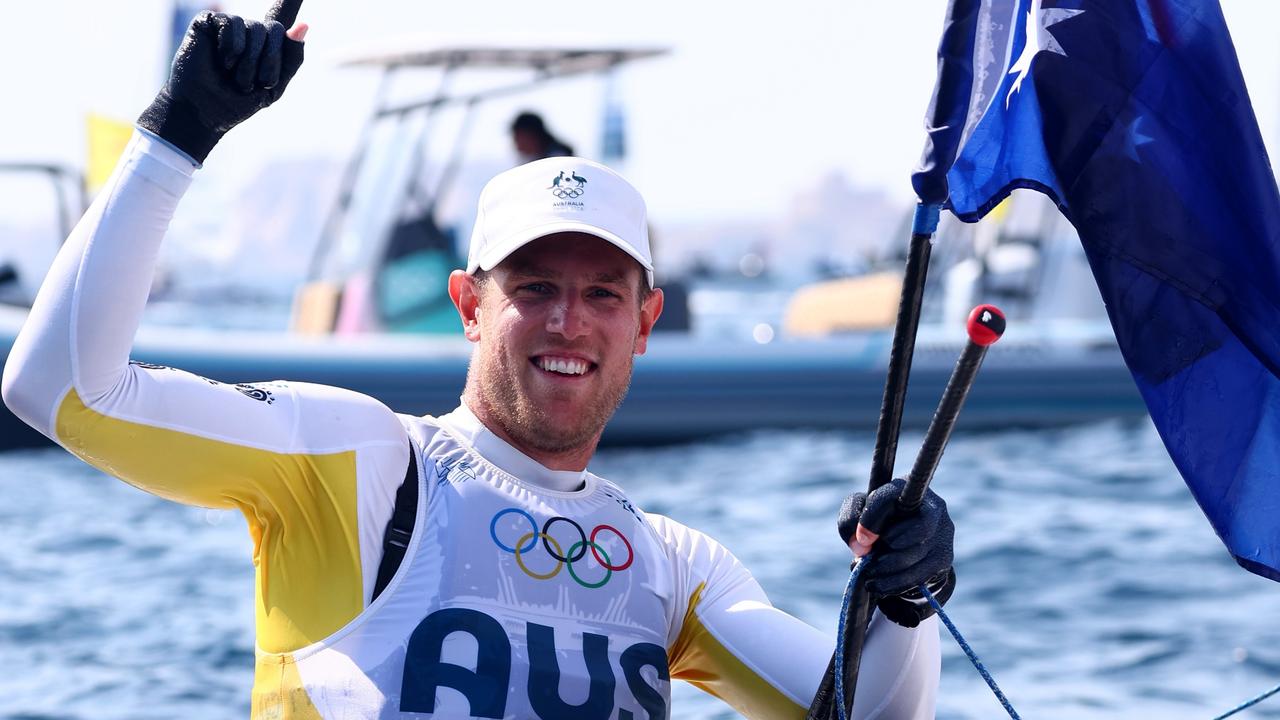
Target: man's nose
point(568, 318)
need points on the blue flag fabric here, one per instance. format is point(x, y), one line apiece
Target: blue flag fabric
point(945, 122)
point(1133, 116)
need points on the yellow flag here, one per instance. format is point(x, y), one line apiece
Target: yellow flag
point(107, 140)
point(1001, 211)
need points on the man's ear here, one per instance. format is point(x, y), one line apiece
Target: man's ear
point(465, 291)
point(650, 311)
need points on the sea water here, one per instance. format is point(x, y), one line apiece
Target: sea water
point(1089, 581)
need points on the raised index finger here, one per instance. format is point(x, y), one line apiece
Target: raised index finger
point(284, 12)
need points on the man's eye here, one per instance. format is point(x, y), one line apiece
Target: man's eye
point(537, 288)
point(601, 292)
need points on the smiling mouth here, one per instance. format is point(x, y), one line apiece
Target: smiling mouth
point(562, 366)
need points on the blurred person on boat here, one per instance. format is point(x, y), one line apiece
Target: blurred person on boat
point(533, 141)
point(466, 565)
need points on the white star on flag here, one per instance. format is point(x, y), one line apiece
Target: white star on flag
point(1039, 39)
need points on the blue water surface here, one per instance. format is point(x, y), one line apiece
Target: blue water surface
point(1089, 580)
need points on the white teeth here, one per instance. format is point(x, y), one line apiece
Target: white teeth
point(563, 366)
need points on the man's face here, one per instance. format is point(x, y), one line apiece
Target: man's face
point(558, 323)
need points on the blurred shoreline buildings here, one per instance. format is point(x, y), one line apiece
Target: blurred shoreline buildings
point(830, 228)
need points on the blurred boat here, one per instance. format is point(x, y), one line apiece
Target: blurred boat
point(374, 315)
point(685, 388)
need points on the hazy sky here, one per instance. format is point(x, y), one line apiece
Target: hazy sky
point(755, 101)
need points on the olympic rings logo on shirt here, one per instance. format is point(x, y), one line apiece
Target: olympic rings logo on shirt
point(577, 551)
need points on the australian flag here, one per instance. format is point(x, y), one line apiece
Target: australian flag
point(1132, 115)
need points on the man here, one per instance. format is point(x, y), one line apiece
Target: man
point(528, 586)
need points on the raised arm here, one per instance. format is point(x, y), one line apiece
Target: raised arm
point(311, 468)
point(76, 341)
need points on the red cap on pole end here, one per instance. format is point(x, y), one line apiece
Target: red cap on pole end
point(986, 325)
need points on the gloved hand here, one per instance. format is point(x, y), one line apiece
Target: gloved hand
point(226, 69)
point(910, 550)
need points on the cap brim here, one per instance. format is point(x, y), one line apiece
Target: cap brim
point(498, 252)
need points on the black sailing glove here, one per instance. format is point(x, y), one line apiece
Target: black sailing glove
point(913, 549)
point(226, 69)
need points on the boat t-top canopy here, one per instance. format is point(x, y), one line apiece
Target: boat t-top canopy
point(553, 57)
point(521, 62)
point(547, 58)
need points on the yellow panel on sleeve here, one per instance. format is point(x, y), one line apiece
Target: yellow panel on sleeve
point(301, 511)
point(278, 693)
point(699, 659)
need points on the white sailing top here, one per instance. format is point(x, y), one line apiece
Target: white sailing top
point(525, 592)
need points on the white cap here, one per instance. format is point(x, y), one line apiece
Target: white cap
point(554, 195)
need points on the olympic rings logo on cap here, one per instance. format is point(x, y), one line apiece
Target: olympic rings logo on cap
point(567, 192)
point(568, 184)
point(577, 551)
